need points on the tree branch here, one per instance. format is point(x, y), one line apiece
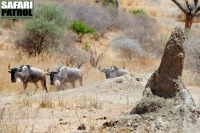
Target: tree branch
point(188, 6)
point(181, 7)
point(197, 9)
point(196, 3)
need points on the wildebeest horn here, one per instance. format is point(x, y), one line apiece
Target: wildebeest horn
point(58, 71)
point(9, 67)
point(114, 67)
point(102, 70)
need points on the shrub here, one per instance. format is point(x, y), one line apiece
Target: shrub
point(128, 48)
point(81, 28)
point(43, 31)
point(140, 27)
point(108, 2)
point(139, 12)
point(192, 58)
point(86, 47)
point(7, 23)
point(69, 54)
point(95, 16)
point(193, 53)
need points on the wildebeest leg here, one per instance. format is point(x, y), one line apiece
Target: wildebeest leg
point(61, 87)
point(37, 87)
point(73, 84)
point(64, 86)
point(25, 87)
point(44, 86)
point(80, 82)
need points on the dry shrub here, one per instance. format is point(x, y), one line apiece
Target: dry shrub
point(1, 32)
point(95, 58)
point(94, 15)
point(192, 61)
point(103, 19)
point(140, 27)
point(128, 48)
point(2, 46)
point(69, 54)
point(46, 102)
point(7, 23)
point(123, 130)
point(85, 102)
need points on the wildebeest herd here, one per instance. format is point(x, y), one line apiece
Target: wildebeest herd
point(28, 74)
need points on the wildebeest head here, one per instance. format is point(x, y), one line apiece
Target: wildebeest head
point(13, 71)
point(52, 76)
point(107, 71)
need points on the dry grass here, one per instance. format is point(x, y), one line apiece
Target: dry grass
point(20, 59)
point(15, 59)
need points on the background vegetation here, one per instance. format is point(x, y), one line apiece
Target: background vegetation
point(42, 33)
point(134, 37)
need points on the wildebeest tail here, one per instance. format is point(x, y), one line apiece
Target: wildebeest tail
point(79, 66)
point(45, 85)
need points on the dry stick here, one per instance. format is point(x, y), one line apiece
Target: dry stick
point(1, 116)
point(99, 57)
point(77, 115)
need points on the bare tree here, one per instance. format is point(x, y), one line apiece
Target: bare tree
point(189, 10)
point(116, 7)
point(69, 60)
point(94, 58)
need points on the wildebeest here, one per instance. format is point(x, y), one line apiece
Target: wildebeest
point(113, 72)
point(28, 74)
point(66, 74)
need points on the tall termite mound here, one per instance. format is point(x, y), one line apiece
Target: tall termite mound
point(166, 105)
point(166, 81)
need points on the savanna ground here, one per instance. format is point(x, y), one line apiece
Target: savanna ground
point(99, 99)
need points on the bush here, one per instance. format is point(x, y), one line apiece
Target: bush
point(95, 16)
point(128, 48)
point(140, 27)
point(81, 28)
point(43, 31)
point(69, 54)
point(108, 2)
point(86, 47)
point(139, 12)
point(7, 23)
point(193, 53)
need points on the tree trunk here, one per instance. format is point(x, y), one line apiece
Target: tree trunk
point(116, 8)
point(188, 22)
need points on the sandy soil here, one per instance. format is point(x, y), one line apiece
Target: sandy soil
point(64, 111)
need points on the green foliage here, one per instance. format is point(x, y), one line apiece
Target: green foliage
point(44, 30)
point(140, 12)
point(81, 28)
point(49, 19)
point(6, 23)
point(107, 2)
point(86, 47)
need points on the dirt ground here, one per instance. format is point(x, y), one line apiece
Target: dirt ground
point(64, 111)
